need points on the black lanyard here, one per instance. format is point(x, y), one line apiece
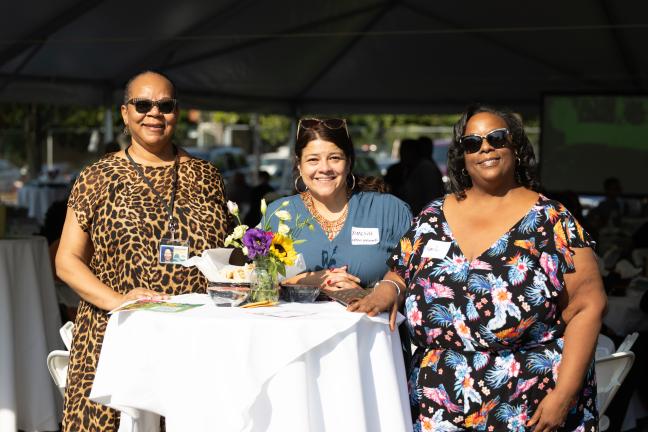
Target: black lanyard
point(173, 225)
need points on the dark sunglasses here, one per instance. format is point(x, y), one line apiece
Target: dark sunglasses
point(142, 106)
point(333, 124)
point(497, 138)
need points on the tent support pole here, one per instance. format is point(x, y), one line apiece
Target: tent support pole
point(108, 133)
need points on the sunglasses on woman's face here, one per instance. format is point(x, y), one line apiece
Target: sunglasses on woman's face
point(333, 124)
point(142, 105)
point(497, 138)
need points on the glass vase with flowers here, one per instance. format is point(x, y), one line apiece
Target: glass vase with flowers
point(271, 251)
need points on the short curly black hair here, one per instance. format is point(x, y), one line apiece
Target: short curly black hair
point(525, 168)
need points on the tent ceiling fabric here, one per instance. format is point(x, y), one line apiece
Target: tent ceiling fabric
point(346, 56)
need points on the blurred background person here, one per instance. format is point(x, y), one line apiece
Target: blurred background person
point(423, 181)
point(257, 193)
point(396, 174)
point(238, 191)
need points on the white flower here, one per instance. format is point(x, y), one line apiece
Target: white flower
point(283, 229)
point(283, 215)
point(239, 231)
point(245, 250)
point(232, 207)
point(228, 240)
point(264, 206)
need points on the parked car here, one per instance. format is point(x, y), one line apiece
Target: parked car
point(365, 165)
point(228, 160)
point(9, 175)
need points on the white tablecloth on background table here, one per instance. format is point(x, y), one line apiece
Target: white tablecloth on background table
point(232, 369)
point(29, 323)
point(623, 314)
point(38, 198)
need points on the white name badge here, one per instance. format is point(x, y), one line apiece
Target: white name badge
point(364, 236)
point(435, 249)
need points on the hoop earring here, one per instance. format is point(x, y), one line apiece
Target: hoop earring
point(464, 172)
point(353, 181)
point(126, 131)
point(517, 159)
point(297, 187)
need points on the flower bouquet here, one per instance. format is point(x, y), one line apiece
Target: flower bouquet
point(270, 251)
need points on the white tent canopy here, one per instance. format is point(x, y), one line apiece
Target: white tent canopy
point(324, 56)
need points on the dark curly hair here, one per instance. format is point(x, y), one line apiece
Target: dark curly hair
point(525, 168)
point(340, 138)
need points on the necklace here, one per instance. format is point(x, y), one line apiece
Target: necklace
point(330, 227)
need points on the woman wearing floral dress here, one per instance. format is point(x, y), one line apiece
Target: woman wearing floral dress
point(502, 294)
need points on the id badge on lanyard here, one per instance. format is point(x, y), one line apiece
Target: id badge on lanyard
point(172, 250)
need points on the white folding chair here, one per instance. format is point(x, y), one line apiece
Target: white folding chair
point(610, 373)
point(66, 334)
point(628, 342)
point(640, 257)
point(57, 361)
point(604, 346)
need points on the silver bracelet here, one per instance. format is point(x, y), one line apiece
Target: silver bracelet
point(398, 289)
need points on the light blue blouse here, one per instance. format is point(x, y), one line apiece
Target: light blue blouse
point(374, 225)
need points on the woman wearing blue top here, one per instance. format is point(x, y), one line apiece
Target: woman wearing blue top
point(356, 227)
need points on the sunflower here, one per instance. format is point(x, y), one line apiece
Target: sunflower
point(282, 248)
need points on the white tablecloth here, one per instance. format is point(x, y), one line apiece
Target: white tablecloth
point(623, 314)
point(231, 369)
point(38, 198)
point(29, 323)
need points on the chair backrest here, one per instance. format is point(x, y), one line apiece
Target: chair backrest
point(57, 363)
point(610, 373)
point(66, 333)
point(628, 342)
point(604, 346)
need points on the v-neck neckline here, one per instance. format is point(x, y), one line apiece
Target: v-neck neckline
point(507, 232)
point(344, 225)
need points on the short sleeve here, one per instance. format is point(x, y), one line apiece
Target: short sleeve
point(405, 255)
point(402, 220)
point(86, 194)
point(569, 235)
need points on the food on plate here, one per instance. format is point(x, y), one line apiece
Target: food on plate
point(237, 273)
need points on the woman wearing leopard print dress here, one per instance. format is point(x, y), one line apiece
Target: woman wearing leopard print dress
point(122, 211)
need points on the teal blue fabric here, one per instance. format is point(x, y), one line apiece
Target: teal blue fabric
point(389, 214)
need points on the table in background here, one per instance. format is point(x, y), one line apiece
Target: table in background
point(233, 369)
point(623, 314)
point(37, 198)
point(29, 323)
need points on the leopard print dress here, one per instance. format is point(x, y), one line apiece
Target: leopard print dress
point(125, 223)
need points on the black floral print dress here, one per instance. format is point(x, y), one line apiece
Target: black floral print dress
point(488, 333)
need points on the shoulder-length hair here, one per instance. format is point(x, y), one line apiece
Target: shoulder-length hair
point(340, 137)
point(525, 167)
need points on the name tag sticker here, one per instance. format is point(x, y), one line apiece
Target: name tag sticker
point(364, 236)
point(435, 249)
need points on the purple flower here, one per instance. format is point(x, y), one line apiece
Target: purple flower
point(257, 242)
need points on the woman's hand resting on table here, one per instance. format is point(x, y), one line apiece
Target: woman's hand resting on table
point(331, 279)
point(383, 299)
point(338, 279)
point(141, 293)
